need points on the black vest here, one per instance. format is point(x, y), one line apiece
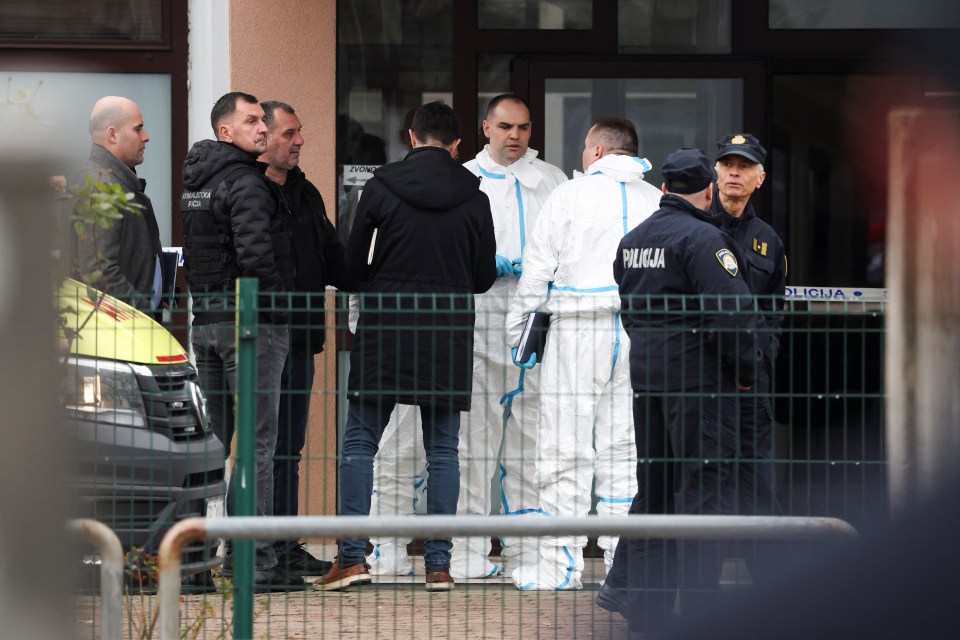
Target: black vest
point(208, 244)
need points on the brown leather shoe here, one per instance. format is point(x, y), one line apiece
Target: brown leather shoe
point(338, 578)
point(439, 581)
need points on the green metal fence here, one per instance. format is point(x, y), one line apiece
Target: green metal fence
point(829, 460)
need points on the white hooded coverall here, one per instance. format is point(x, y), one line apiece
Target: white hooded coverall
point(516, 194)
point(585, 431)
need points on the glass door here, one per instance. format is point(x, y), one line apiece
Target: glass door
point(672, 105)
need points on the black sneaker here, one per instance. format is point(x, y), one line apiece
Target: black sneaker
point(299, 562)
point(276, 579)
point(612, 599)
point(268, 580)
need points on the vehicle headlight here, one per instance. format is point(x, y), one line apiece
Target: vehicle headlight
point(200, 402)
point(103, 391)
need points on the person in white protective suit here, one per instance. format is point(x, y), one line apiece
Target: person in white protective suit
point(585, 432)
point(503, 415)
point(399, 487)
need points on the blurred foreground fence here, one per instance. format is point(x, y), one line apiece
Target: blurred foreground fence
point(149, 458)
point(678, 527)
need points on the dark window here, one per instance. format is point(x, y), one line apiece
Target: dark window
point(535, 14)
point(72, 21)
point(863, 14)
point(673, 26)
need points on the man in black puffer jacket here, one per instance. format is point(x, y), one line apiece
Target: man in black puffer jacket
point(233, 228)
point(422, 244)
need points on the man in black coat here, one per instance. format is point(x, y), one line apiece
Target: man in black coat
point(233, 228)
point(318, 257)
point(422, 244)
point(692, 331)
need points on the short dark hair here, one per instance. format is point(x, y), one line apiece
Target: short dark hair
point(270, 108)
point(436, 122)
point(616, 134)
point(505, 97)
point(226, 106)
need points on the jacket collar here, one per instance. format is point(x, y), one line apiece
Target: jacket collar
point(620, 167)
point(672, 201)
point(124, 174)
point(522, 170)
point(728, 220)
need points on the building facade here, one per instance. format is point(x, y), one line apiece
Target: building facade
point(814, 81)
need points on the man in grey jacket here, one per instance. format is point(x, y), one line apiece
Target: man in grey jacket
point(127, 254)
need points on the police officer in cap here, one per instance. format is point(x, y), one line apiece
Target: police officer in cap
point(740, 172)
point(689, 313)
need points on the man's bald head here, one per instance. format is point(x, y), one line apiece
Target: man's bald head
point(117, 125)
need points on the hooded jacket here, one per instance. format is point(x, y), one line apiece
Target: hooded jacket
point(233, 228)
point(517, 193)
point(566, 264)
point(421, 245)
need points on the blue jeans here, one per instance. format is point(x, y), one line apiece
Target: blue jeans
point(295, 388)
point(441, 435)
point(215, 348)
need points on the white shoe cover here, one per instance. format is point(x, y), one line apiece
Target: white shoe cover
point(472, 565)
point(547, 575)
point(526, 554)
point(389, 560)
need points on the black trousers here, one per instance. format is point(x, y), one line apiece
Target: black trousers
point(754, 492)
point(686, 446)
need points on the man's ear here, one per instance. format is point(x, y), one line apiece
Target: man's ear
point(763, 176)
point(486, 129)
point(223, 134)
point(414, 143)
point(453, 149)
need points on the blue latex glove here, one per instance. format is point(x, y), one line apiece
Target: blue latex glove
point(515, 267)
point(504, 266)
point(529, 364)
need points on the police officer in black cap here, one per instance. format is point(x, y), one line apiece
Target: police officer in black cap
point(679, 274)
point(739, 167)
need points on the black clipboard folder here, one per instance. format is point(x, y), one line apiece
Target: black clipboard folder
point(534, 336)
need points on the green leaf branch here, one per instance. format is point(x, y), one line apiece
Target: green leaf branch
point(99, 205)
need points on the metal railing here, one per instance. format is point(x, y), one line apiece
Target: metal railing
point(111, 573)
point(639, 526)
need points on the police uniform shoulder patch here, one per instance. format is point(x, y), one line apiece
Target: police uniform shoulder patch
point(728, 261)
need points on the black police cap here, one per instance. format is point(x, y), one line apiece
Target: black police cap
point(687, 171)
point(742, 144)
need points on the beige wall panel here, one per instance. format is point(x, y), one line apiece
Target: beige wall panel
point(286, 50)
